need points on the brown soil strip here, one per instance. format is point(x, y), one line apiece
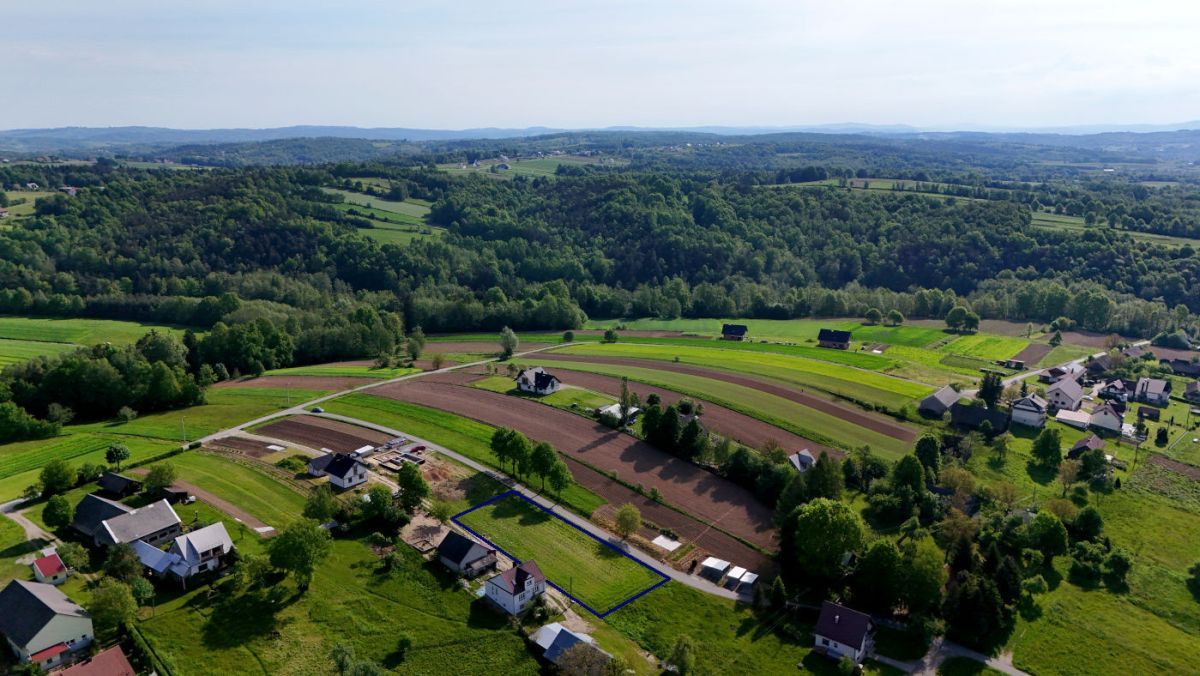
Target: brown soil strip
point(1173, 353)
point(220, 503)
point(322, 433)
point(248, 447)
point(1190, 471)
point(702, 493)
point(716, 418)
point(871, 421)
point(1033, 353)
point(475, 347)
point(329, 383)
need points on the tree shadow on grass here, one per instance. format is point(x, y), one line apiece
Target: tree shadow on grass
point(238, 620)
point(1041, 474)
point(23, 548)
point(484, 615)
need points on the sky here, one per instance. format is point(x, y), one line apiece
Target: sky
point(560, 63)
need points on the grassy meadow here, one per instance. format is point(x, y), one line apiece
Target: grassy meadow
point(336, 369)
point(23, 338)
point(588, 569)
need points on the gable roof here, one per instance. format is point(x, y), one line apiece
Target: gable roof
point(461, 550)
point(1192, 388)
point(1031, 402)
point(833, 336)
point(943, 398)
point(734, 329)
point(111, 662)
point(1099, 364)
point(154, 558)
point(1152, 386)
point(541, 379)
point(92, 510)
point(802, 460)
point(50, 565)
point(191, 545)
point(1068, 386)
point(1117, 385)
point(341, 465)
point(138, 524)
point(319, 463)
point(1182, 367)
point(1108, 409)
point(1089, 443)
point(514, 578)
point(27, 607)
point(842, 624)
point(118, 483)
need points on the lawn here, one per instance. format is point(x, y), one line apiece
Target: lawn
point(986, 346)
point(408, 212)
point(588, 569)
point(241, 484)
point(26, 207)
point(807, 422)
point(12, 547)
point(462, 435)
point(1064, 353)
point(352, 600)
point(784, 329)
point(15, 351)
point(78, 331)
point(21, 462)
point(1076, 224)
point(340, 369)
point(854, 384)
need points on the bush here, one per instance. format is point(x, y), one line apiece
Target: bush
point(126, 414)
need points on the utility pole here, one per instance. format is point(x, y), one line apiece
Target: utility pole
point(183, 429)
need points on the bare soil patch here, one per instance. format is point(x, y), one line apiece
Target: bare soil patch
point(1033, 353)
point(330, 383)
point(702, 493)
point(716, 418)
point(871, 421)
point(1190, 471)
point(317, 432)
point(253, 448)
point(1173, 353)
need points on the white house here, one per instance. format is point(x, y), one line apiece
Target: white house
point(1108, 418)
point(1065, 394)
point(841, 631)
point(537, 381)
point(201, 550)
point(344, 470)
point(156, 522)
point(1030, 411)
point(50, 569)
point(516, 588)
point(1154, 391)
point(42, 625)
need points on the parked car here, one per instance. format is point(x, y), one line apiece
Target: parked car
point(317, 409)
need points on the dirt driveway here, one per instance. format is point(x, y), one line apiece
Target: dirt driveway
point(702, 493)
point(872, 421)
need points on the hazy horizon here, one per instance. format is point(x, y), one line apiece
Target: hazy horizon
point(581, 65)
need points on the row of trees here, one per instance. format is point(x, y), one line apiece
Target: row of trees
point(526, 458)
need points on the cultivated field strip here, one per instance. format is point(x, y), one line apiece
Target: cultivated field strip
point(315, 432)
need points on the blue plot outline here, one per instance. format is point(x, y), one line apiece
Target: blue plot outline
point(550, 582)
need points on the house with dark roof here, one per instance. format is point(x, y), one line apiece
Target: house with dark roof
point(154, 523)
point(42, 625)
point(1191, 392)
point(1089, 443)
point(972, 416)
point(936, 404)
point(1099, 365)
point(555, 640)
point(1153, 391)
point(1148, 413)
point(343, 469)
point(841, 631)
point(1065, 394)
point(465, 556)
point(734, 331)
point(118, 485)
point(1055, 374)
point(111, 662)
point(1030, 410)
point(516, 588)
point(1134, 352)
point(802, 460)
point(50, 569)
point(1118, 390)
point(92, 511)
point(537, 381)
point(1182, 367)
point(831, 338)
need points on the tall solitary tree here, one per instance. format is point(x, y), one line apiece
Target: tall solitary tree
point(299, 548)
point(413, 488)
point(628, 520)
point(508, 342)
point(895, 317)
point(990, 389)
point(116, 454)
point(1047, 448)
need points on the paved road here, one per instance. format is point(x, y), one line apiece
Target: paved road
point(689, 580)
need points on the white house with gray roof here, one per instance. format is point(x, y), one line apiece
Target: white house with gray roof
point(1065, 394)
point(156, 522)
point(42, 625)
point(1030, 411)
point(196, 552)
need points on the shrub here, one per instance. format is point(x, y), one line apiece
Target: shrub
point(126, 414)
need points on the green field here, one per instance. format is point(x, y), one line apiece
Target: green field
point(588, 569)
point(567, 397)
point(78, 331)
point(854, 384)
point(15, 351)
point(984, 346)
point(462, 435)
point(1076, 224)
point(357, 370)
point(25, 208)
point(242, 484)
point(783, 329)
point(533, 168)
point(146, 436)
point(414, 212)
point(783, 413)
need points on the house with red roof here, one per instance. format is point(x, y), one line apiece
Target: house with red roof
point(516, 588)
point(50, 569)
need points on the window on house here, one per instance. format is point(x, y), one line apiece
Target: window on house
point(824, 641)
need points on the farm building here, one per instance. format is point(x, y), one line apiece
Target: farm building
point(465, 556)
point(615, 410)
point(555, 640)
point(713, 568)
point(1106, 417)
point(734, 331)
point(1057, 373)
point(1182, 367)
point(1192, 392)
point(1065, 394)
point(42, 625)
point(344, 470)
point(841, 631)
point(1015, 364)
point(1090, 443)
point(92, 511)
point(111, 662)
point(1030, 411)
point(802, 460)
point(516, 588)
point(154, 523)
point(936, 404)
point(1147, 413)
point(536, 381)
point(831, 338)
point(972, 417)
point(190, 554)
point(118, 485)
point(1153, 391)
point(50, 569)
point(1099, 365)
point(1076, 419)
